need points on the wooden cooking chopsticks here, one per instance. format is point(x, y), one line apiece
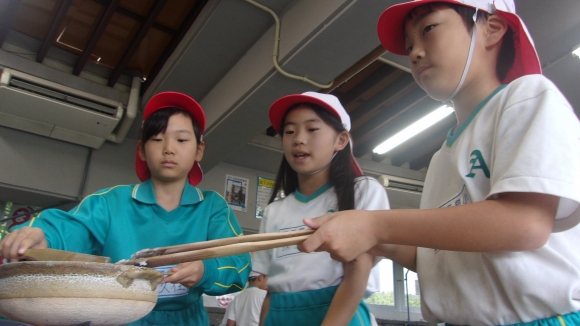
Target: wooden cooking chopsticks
point(215, 248)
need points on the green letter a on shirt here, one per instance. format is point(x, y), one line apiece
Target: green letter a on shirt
point(477, 162)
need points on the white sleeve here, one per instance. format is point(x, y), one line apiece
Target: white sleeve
point(261, 259)
point(229, 313)
point(537, 148)
point(371, 195)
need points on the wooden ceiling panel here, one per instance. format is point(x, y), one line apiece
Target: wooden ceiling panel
point(139, 7)
point(175, 12)
point(115, 39)
point(151, 47)
point(34, 18)
point(75, 31)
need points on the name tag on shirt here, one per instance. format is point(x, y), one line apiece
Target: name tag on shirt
point(170, 290)
point(285, 252)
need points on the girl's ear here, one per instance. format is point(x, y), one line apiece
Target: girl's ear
point(342, 141)
point(496, 27)
point(199, 152)
point(141, 151)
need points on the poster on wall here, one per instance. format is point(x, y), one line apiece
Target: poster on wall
point(236, 191)
point(263, 193)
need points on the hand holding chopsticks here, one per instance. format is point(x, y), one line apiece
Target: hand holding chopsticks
point(215, 248)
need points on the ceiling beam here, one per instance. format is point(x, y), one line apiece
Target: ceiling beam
point(355, 69)
point(365, 86)
point(138, 18)
point(136, 41)
point(56, 22)
point(379, 92)
point(382, 126)
point(187, 22)
point(399, 90)
point(97, 33)
point(7, 17)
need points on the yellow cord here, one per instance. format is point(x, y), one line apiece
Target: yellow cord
point(561, 320)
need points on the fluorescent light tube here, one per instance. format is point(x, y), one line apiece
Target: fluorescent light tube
point(412, 130)
point(576, 52)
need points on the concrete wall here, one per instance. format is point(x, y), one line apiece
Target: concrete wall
point(216, 179)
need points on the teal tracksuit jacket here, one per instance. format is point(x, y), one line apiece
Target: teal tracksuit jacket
point(118, 221)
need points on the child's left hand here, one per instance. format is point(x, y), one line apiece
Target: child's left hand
point(187, 274)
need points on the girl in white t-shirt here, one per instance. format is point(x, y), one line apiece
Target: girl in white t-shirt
point(318, 174)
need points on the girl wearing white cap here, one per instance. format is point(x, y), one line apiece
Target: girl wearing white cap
point(497, 241)
point(165, 209)
point(318, 174)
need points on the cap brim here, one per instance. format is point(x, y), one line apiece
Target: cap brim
point(391, 26)
point(279, 108)
point(179, 100)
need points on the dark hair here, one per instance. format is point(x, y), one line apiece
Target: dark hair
point(506, 55)
point(157, 122)
point(341, 171)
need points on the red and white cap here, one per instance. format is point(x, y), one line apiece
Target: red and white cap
point(173, 100)
point(329, 102)
point(391, 28)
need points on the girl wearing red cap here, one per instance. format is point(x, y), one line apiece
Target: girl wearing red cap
point(166, 209)
point(318, 175)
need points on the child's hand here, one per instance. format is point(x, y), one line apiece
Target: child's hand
point(14, 243)
point(188, 274)
point(345, 235)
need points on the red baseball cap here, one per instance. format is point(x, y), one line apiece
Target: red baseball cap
point(329, 102)
point(173, 100)
point(391, 28)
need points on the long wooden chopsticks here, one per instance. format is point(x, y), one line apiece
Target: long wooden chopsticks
point(215, 248)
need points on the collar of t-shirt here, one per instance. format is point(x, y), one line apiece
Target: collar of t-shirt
point(451, 138)
point(304, 199)
point(145, 193)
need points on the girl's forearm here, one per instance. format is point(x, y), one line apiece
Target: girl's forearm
point(265, 308)
point(350, 291)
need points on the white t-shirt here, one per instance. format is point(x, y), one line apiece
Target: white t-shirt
point(290, 270)
point(246, 307)
point(526, 138)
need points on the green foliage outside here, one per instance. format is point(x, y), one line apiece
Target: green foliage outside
point(414, 301)
point(382, 298)
point(4, 215)
point(388, 299)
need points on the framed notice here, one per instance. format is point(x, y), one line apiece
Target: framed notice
point(236, 192)
point(263, 193)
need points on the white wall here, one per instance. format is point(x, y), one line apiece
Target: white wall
point(216, 180)
point(40, 171)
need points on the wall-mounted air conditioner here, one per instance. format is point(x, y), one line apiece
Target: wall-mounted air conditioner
point(401, 184)
point(46, 108)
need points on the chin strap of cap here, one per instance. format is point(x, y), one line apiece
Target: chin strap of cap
point(468, 63)
point(324, 167)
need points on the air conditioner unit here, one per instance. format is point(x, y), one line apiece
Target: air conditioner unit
point(46, 108)
point(401, 184)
